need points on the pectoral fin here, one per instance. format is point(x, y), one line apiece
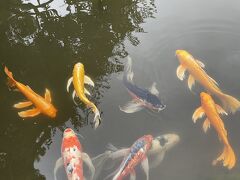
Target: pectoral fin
point(70, 80)
point(23, 104)
point(58, 164)
point(220, 110)
point(206, 125)
point(191, 81)
point(181, 72)
point(29, 113)
point(145, 167)
point(213, 80)
point(88, 80)
point(198, 113)
point(131, 107)
point(153, 89)
point(200, 63)
point(87, 92)
point(86, 159)
point(73, 96)
point(132, 175)
point(48, 96)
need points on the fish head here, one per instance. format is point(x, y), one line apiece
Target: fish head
point(183, 56)
point(78, 65)
point(52, 112)
point(154, 103)
point(167, 141)
point(68, 133)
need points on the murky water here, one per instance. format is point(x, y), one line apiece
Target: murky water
point(42, 40)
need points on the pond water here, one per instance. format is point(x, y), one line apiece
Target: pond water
point(42, 40)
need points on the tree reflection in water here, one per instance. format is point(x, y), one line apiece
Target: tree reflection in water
point(40, 42)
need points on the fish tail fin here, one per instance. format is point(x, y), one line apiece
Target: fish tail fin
point(11, 81)
point(128, 74)
point(228, 157)
point(100, 161)
point(97, 118)
point(230, 104)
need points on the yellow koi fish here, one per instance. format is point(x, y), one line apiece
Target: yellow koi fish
point(196, 72)
point(42, 105)
point(79, 79)
point(212, 111)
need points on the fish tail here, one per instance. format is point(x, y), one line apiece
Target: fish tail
point(227, 157)
point(11, 80)
point(230, 103)
point(97, 118)
point(99, 162)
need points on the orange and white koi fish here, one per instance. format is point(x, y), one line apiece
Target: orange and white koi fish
point(79, 79)
point(42, 105)
point(196, 72)
point(212, 111)
point(73, 158)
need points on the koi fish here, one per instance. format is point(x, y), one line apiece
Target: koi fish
point(42, 105)
point(212, 111)
point(196, 72)
point(79, 79)
point(141, 97)
point(138, 153)
point(73, 157)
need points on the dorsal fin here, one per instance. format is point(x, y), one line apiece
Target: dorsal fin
point(153, 89)
point(200, 63)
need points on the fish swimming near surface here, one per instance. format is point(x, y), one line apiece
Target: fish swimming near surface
point(79, 79)
point(42, 105)
point(212, 111)
point(73, 157)
point(141, 97)
point(196, 72)
point(138, 153)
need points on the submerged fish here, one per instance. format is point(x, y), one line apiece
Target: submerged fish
point(73, 157)
point(42, 105)
point(196, 72)
point(212, 111)
point(138, 153)
point(79, 79)
point(141, 97)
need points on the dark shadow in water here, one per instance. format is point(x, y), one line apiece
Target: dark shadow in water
point(40, 45)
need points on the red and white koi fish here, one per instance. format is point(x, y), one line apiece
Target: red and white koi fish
point(79, 79)
point(42, 105)
point(73, 157)
point(196, 72)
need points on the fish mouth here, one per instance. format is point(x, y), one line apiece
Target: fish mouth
point(161, 108)
point(158, 109)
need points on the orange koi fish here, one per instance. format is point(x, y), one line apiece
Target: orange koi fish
point(42, 105)
point(79, 79)
point(212, 111)
point(196, 72)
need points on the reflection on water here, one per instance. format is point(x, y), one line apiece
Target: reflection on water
point(40, 42)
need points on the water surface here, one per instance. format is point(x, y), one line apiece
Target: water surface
point(42, 40)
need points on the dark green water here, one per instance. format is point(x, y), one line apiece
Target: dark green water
point(40, 41)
